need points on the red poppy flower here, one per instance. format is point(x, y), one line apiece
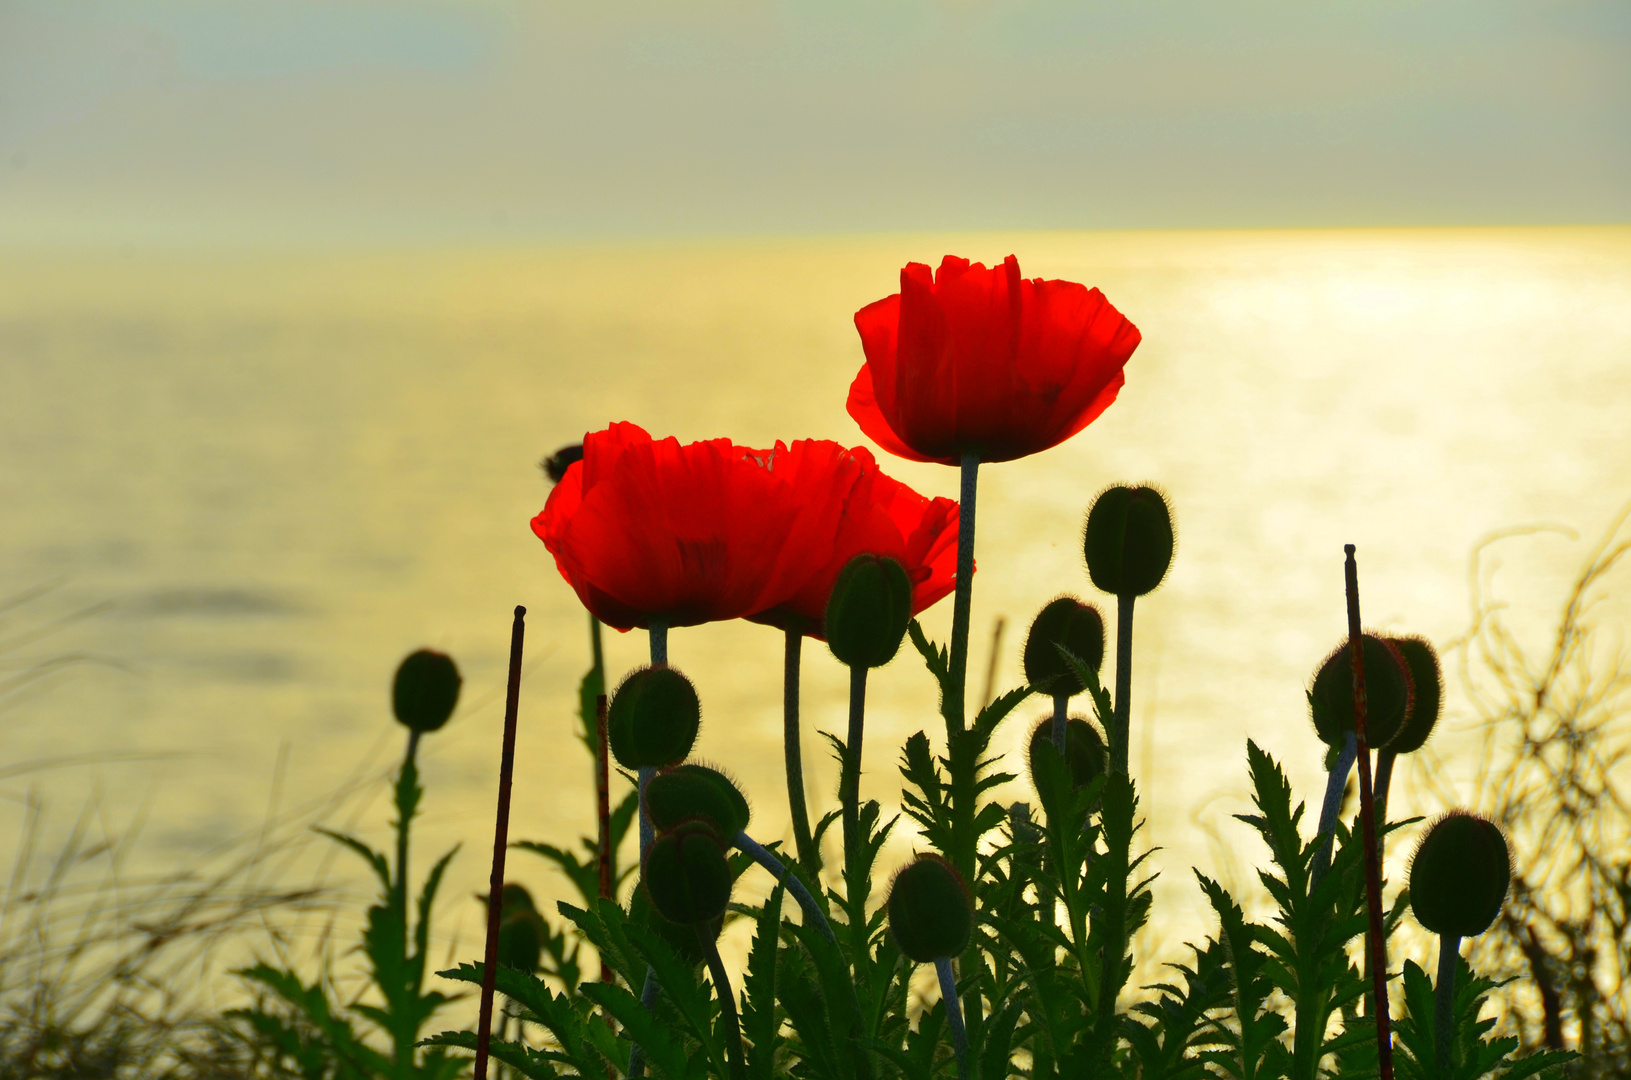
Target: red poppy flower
point(970, 358)
point(882, 516)
point(646, 529)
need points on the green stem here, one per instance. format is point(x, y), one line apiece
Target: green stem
point(595, 649)
point(1449, 951)
point(407, 797)
point(657, 632)
point(779, 870)
point(1335, 784)
point(1124, 682)
point(727, 1004)
point(796, 806)
point(1384, 782)
point(954, 1016)
point(1113, 961)
point(404, 814)
point(850, 790)
point(857, 884)
point(962, 751)
point(963, 598)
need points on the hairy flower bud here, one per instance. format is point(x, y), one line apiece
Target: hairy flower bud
point(1387, 693)
point(686, 874)
point(868, 611)
point(520, 929)
point(1084, 749)
point(1068, 623)
point(696, 791)
point(425, 690)
point(1459, 875)
point(1426, 694)
point(653, 718)
point(930, 914)
point(1129, 540)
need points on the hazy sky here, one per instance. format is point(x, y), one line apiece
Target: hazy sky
point(535, 119)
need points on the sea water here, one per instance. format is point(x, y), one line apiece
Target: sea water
point(238, 487)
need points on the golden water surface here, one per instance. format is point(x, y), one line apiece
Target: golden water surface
point(264, 478)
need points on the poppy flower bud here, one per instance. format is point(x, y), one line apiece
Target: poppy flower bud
point(929, 910)
point(696, 791)
point(868, 611)
point(1078, 628)
point(1084, 749)
point(520, 929)
point(653, 718)
point(1387, 693)
point(425, 690)
point(1129, 540)
point(1459, 875)
point(686, 873)
point(1426, 694)
point(556, 464)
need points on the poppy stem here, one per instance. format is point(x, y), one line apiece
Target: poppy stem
point(1335, 784)
point(1384, 781)
point(1124, 683)
point(796, 807)
point(1061, 713)
point(603, 815)
point(1367, 822)
point(857, 884)
point(1449, 952)
point(407, 776)
point(657, 630)
point(954, 1014)
point(779, 870)
point(850, 795)
point(962, 600)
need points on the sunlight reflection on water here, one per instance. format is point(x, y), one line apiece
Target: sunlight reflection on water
point(285, 472)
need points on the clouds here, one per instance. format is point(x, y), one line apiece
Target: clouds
point(477, 121)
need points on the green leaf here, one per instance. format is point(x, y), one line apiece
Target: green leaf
point(759, 1017)
point(533, 1064)
point(375, 860)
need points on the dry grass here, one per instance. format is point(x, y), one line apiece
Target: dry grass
point(1554, 770)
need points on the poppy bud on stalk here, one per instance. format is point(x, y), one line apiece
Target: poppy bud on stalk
point(1426, 693)
point(930, 914)
point(425, 690)
point(1084, 750)
point(1387, 693)
point(1458, 882)
point(696, 791)
point(687, 875)
point(1129, 540)
point(1065, 623)
point(1459, 875)
point(653, 718)
point(520, 929)
point(868, 611)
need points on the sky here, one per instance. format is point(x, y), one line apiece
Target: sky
point(361, 121)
